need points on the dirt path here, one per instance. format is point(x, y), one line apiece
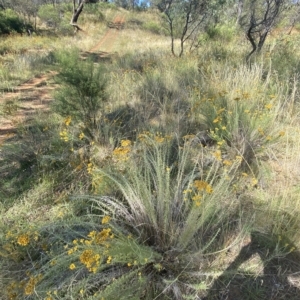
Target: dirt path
point(111, 35)
point(23, 102)
point(36, 94)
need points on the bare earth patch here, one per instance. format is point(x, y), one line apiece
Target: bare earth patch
point(21, 104)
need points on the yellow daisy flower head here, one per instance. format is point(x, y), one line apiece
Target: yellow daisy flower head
point(105, 219)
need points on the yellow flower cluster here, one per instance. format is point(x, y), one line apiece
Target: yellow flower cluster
point(94, 237)
point(196, 193)
point(23, 240)
point(143, 136)
point(103, 235)
point(72, 250)
point(90, 167)
point(260, 130)
point(12, 290)
point(125, 143)
point(227, 162)
point(53, 262)
point(90, 259)
point(254, 181)
point(108, 261)
point(269, 106)
point(197, 199)
point(64, 135)
point(218, 155)
point(121, 153)
point(81, 136)
point(67, 120)
point(203, 186)
point(29, 287)
point(241, 95)
point(217, 119)
point(105, 219)
point(157, 137)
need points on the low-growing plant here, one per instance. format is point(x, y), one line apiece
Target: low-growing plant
point(154, 28)
point(48, 150)
point(83, 92)
point(234, 123)
point(225, 32)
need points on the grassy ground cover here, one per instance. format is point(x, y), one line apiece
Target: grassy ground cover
point(154, 177)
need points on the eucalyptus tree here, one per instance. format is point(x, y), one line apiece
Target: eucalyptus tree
point(184, 18)
point(259, 17)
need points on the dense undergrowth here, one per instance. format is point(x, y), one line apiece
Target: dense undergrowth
point(152, 175)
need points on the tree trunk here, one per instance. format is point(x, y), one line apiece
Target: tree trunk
point(172, 39)
point(262, 39)
point(76, 13)
point(250, 37)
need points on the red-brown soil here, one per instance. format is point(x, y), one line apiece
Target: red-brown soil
point(111, 34)
point(27, 98)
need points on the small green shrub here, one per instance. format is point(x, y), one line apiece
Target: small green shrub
point(83, 91)
point(10, 23)
point(65, 28)
point(154, 27)
point(224, 32)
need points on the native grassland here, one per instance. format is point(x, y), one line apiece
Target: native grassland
point(150, 173)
